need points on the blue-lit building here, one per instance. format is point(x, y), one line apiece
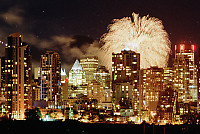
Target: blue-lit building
point(50, 70)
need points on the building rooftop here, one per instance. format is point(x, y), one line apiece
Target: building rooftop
point(77, 66)
point(126, 49)
point(63, 72)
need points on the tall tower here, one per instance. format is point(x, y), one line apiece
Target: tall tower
point(18, 90)
point(76, 80)
point(2, 75)
point(151, 84)
point(103, 76)
point(76, 75)
point(50, 78)
point(198, 83)
point(125, 69)
point(89, 64)
point(185, 77)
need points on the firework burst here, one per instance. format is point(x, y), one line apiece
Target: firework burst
point(144, 35)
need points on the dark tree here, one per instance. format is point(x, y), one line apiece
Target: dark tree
point(33, 114)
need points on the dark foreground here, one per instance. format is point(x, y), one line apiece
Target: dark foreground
point(75, 127)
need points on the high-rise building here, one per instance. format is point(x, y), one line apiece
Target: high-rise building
point(168, 78)
point(89, 65)
point(64, 85)
point(2, 75)
point(123, 91)
point(198, 82)
point(76, 75)
point(18, 89)
point(125, 68)
point(77, 80)
point(36, 89)
point(151, 84)
point(37, 73)
point(166, 106)
point(50, 78)
point(95, 91)
point(185, 76)
point(2, 84)
point(102, 75)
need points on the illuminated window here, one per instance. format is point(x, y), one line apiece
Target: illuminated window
point(122, 88)
point(182, 47)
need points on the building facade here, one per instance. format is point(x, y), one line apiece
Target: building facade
point(198, 82)
point(2, 75)
point(77, 75)
point(166, 106)
point(151, 84)
point(36, 89)
point(102, 75)
point(125, 69)
point(50, 78)
point(37, 73)
point(18, 89)
point(89, 65)
point(64, 85)
point(123, 91)
point(95, 91)
point(185, 74)
point(77, 81)
point(168, 77)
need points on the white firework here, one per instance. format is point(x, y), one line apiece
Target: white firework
point(144, 35)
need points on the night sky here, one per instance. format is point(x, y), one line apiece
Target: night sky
point(70, 26)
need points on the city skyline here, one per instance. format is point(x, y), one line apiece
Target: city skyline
point(131, 94)
point(144, 67)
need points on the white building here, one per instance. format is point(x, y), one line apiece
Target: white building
point(76, 75)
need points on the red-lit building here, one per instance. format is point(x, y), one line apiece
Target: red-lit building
point(185, 73)
point(198, 81)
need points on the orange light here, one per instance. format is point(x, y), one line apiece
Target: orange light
point(182, 47)
point(193, 47)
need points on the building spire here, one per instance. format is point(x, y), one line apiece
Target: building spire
point(126, 49)
point(77, 65)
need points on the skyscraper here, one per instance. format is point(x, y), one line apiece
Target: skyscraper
point(76, 75)
point(18, 90)
point(95, 91)
point(168, 77)
point(125, 68)
point(198, 83)
point(76, 80)
point(51, 78)
point(2, 75)
point(166, 105)
point(2, 84)
point(89, 65)
point(151, 84)
point(102, 75)
point(64, 85)
point(37, 73)
point(185, 77)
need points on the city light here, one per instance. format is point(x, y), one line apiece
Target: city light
point(128, 89)
point(115, 66)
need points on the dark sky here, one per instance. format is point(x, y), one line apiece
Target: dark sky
point(48, 24)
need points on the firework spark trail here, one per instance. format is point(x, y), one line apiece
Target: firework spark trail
point(144, 35)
